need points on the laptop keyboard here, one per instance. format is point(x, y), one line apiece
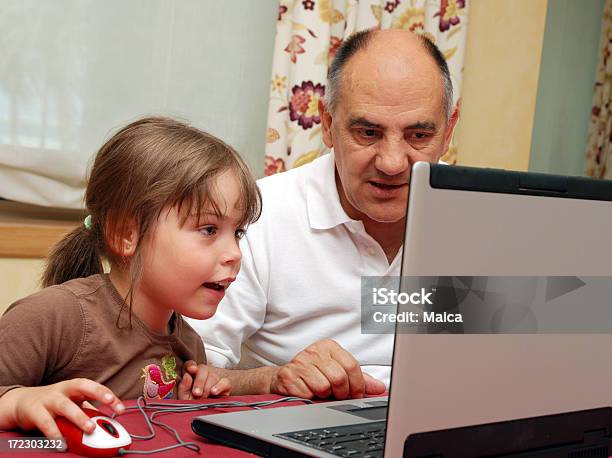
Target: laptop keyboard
point(364, 440)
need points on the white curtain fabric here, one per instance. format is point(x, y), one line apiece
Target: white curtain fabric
point(42, 177)
point(73, 71)
point(599, 144)
point(308, 34)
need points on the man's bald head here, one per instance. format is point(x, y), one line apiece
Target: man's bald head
point(403, 41)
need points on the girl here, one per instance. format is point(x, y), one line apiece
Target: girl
point(167, 204)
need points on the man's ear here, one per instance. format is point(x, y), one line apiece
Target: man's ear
point(326, 122)
point(452, 122)
point(125, 240)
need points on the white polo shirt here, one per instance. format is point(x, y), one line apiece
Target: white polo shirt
point(300, 280)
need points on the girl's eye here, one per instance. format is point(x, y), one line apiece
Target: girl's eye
point(240, 233)
point(208, 231)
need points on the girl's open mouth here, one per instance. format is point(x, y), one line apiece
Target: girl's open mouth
point(217, 286)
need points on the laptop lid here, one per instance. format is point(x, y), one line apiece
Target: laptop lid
point(481, 222)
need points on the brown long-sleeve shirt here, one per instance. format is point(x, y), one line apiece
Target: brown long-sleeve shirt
point(72, 330)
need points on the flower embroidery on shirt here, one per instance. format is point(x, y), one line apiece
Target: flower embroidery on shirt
point(159, 383)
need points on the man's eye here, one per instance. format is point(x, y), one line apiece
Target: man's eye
point(208, 230)
point(240, 233)
point(420, 135)
point(368, 133)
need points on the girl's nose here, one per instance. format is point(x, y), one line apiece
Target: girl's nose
point(232, 253)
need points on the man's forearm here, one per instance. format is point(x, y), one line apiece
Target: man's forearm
point(249, 381)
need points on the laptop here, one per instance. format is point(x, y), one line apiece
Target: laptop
point(472, 222)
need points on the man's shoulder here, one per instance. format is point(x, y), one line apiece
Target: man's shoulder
point(286, 196)
point(293, 179)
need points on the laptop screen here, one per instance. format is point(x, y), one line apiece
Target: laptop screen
point(480, 222)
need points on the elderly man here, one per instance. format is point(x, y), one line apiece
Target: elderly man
point(295, 306)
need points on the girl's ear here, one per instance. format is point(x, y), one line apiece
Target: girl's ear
point(125, 241)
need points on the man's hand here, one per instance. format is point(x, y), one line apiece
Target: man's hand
point(37, 407)
point(322, 370)
point(200, 382)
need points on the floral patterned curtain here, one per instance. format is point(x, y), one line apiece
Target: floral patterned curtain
point(308, 34)
point(599, 143)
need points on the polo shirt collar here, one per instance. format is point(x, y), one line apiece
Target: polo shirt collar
point(322, 200)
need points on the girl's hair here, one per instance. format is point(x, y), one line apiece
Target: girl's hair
point(147, 166)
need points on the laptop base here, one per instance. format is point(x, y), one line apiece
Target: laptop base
point(241, 441)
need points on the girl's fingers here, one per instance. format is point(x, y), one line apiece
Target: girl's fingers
point(191, 367)
point(184, 388)
point(87, 405)
point(82, 389)
point(61, 406)
point(200, 382)
point(37, 407)
point(44, 421)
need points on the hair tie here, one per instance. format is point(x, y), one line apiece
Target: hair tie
point(87, 222)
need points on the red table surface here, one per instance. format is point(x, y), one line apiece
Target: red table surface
point(135, 424)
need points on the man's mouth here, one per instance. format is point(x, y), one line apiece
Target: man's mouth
point(387, 186)
point(217, 286)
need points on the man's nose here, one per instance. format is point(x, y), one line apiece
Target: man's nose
point(393, 158)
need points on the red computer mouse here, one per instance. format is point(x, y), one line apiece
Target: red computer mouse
point(106, 440)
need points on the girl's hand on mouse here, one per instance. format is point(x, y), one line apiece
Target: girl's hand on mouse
point(199, 381)
point(36, 407)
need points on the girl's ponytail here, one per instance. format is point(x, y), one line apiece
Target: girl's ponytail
point(77, 255)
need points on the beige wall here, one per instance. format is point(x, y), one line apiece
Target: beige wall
point(500, 82)
point(20, 277)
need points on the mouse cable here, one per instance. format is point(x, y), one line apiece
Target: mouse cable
point(158, 408)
